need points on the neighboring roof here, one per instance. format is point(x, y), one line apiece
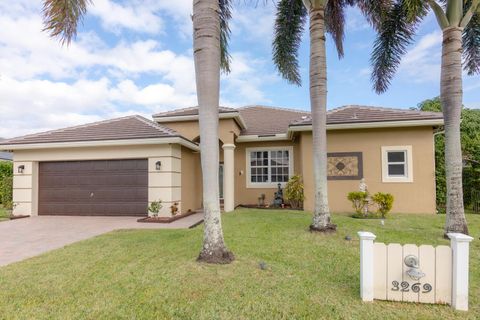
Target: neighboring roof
point(192, 111)
point(353, 114)
point(6, 156)
point(262, 120)
point(131, 127)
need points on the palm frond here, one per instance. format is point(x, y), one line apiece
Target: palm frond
point(225, 16)
point(335, 23)
point(471, 45)
point(61, 18)
point(439, 11)
point(375, 11)
point(471, 7)
point(394, 36)
point(289, 26)
point(415, 8)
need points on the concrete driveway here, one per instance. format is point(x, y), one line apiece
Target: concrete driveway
point(29, 237)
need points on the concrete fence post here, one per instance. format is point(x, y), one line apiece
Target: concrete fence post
point(460, 244)
point(366, 265)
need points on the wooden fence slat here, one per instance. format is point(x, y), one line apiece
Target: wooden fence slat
point(443, 275)
point(409, 294)
point(426, 255)
point(380, 271)
point(394, 271)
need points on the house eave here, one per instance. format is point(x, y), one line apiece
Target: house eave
point(225, 115)
point(256, 138)
point(372, 125)
point(102, 143)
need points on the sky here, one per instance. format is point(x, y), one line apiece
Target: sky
point(135, 57)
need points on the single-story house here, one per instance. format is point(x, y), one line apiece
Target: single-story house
point(119, 166)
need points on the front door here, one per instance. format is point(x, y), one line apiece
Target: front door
point(220, 178)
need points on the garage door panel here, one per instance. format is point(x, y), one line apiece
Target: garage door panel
point(105, 187)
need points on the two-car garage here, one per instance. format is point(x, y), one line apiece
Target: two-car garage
point(93, 188)
point(108, 168)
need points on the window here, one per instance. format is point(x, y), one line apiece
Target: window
point(267, 167)
point(397, 164)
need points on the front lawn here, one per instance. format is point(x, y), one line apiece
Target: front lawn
point(152, 274)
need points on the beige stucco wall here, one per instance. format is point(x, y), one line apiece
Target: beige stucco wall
point(414, 197)
point(245, 195)
point(164, 184)
point(191, 180)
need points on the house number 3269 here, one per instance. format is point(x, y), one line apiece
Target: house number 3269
point(404, 286)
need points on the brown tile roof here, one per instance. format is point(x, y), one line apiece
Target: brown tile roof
point(192, 111)
point(261, 120)
point(362, 114)
point(131, 127)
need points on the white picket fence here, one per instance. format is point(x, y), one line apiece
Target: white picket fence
point(434, 274)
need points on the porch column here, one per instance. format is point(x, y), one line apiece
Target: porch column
point(228, 177)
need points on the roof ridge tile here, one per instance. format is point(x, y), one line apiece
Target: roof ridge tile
point(155, 125)
point(274, 108)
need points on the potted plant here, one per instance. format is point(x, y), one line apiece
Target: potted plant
point(174, 209)
point(154, 208)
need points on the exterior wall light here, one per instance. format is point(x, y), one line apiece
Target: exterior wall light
point(21, 169)
point(158, 165)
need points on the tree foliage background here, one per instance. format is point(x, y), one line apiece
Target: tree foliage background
point(470, 136)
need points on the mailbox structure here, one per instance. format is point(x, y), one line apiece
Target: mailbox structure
point(423, 274)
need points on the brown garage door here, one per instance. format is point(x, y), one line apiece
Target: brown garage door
point(94, 188)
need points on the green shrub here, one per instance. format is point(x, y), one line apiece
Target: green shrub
point(359, 201)
point(293, 192)
point(155, 208)
point(6, 182)
point(384, 201)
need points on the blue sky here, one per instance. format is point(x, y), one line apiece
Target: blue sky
point(135, 57)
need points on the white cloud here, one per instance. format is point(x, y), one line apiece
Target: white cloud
point(243, 84)
point(37, 105)
point(135, 17)
point(422, 62)
point(46, 86)
point(254, 23)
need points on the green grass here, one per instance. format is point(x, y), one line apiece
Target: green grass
point(152, 274)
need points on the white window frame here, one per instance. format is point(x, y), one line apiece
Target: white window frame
point(268, 185)
point(408, 162)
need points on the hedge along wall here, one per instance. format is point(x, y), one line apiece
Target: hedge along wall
point(6, 182)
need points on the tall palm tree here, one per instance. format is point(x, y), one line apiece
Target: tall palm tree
point(325, 16)
point(211, 33)
point(459, 21)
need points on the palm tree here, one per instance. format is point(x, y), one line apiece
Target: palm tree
point(211, 34)
point(325, 16)
point(459, 21)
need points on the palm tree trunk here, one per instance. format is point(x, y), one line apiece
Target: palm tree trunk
point(318, 102)
point(451, 98)
point(206, 28)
